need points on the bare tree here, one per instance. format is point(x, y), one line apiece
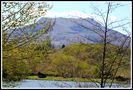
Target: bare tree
point(102, 29)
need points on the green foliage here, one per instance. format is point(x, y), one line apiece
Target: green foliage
point(45, 47)
point(22, 54)
point(14, 67)
point(64, 64)
point(22, 61)
point(77, 60)
point(83, 60)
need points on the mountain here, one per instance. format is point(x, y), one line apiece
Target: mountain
point(65, 31)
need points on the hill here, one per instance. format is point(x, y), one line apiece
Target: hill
point(83, 60)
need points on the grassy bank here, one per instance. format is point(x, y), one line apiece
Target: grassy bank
point(71, 79)
point(62, 79)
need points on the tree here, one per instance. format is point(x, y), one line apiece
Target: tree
point(40, 52)
point(19, 23)
point(102, 30)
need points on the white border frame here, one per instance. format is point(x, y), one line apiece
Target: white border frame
point(66, 88)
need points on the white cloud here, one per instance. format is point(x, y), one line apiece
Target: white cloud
point(77, 14)
point(67, 14)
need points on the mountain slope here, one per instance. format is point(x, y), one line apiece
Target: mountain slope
point(66, 31)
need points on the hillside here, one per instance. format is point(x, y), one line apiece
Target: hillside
point(83, 60)
point(66, 31)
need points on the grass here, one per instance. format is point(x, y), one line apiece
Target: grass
point(61, 79)
point(71, 79)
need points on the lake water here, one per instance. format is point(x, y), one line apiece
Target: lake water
point(59, 84)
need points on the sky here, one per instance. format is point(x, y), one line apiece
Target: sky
point(84, 9)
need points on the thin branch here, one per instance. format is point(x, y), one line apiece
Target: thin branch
point(96, 25)
point(119, 48)
point(33, 37)
point(15, 12)
point(88, 28)
point(100, 13)
point(121, 25)
point(117, 21)
point(113, 77)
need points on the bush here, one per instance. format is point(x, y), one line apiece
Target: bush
point(14, 70)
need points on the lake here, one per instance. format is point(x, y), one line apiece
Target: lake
point(58, 84)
